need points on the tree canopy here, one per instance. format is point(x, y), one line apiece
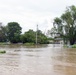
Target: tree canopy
point(65, 25)
point(13, 32)
point(30, 36)
point(3, 33)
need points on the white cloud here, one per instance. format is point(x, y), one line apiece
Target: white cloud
point(29, 13)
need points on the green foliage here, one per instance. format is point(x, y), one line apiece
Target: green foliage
point(65, 46)
point(65, 26)
point(3, 34)
point(29, 44)
point(13, 32)
point(50, 38)
point(3, 43)
point(30, 37)
point(74, 46)
point(2, 51)
point(42, 39)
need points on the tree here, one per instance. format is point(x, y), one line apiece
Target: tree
point(30, 37)
point(65, 26)
point(3, 34)
point(42, 39)
point(13, 32)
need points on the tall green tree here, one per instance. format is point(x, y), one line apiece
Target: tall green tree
point(13, 32)
point(42, 39)
point(3, 33)
point(28, 36)
point(65, 25)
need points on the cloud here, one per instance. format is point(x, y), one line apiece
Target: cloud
point(29, 13)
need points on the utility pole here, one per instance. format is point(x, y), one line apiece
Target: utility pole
point(36, 35)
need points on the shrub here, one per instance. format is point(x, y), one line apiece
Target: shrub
point(74, 46)
point(2, 51)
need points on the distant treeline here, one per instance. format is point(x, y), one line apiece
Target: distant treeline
point(12, 33)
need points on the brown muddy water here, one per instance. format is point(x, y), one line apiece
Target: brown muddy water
point(42, 60)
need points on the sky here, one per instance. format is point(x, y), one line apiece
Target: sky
point(30, 13)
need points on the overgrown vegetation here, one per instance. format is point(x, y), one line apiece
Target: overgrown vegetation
point(74, 46)
point(12, 33)
point(30, 37)
point(65, 25)
point(2, 51)
point(29, 44)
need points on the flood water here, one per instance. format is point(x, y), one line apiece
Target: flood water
point(42, 60)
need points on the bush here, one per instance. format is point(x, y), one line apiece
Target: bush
point(65, 46)
point(2, 51)
point(74, 46)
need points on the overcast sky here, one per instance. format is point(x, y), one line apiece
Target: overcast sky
point(29, 13)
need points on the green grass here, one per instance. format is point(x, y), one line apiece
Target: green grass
point(65, 46)
point(3, 43)
point(74, 46)
point(29, 44)
point(2, 51)
point(71, 46)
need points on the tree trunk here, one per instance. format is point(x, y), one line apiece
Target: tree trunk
point(72, 41)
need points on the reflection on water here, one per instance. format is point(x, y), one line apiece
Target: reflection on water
point(41, 60)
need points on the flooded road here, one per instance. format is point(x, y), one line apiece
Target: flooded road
point(44, 60)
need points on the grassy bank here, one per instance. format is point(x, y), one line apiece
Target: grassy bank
point(4, 43)
point(2, 51)
point(74, 46)
point(70, 46)
point(29, 44)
